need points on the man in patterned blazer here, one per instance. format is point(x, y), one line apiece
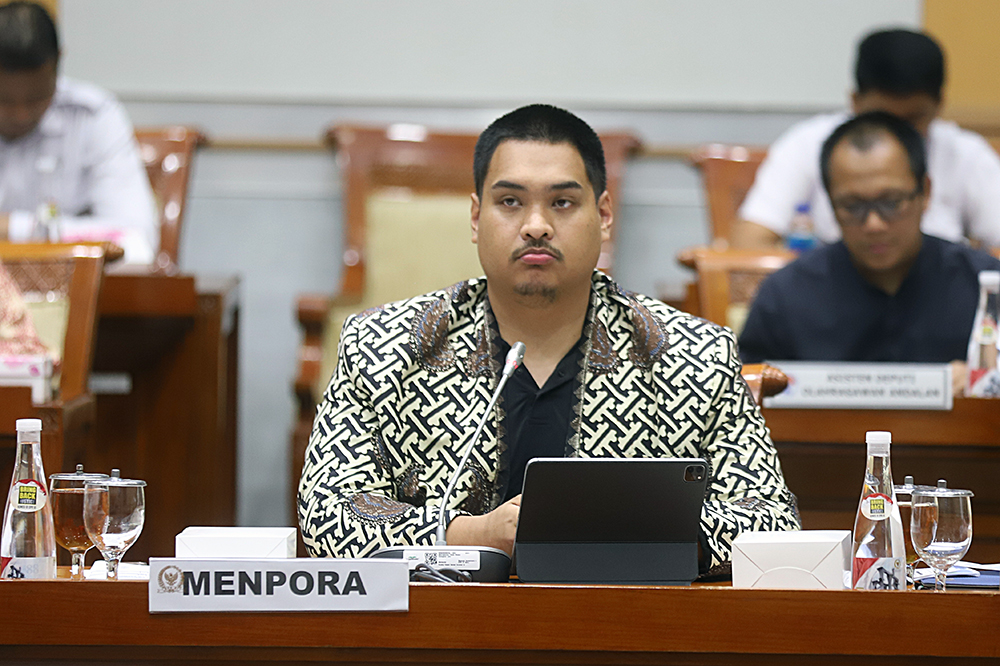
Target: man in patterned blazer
point(607, 373)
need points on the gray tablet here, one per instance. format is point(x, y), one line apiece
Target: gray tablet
point(610, 520)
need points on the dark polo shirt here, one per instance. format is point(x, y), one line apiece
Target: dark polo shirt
point(537, 419)
point(819, 308)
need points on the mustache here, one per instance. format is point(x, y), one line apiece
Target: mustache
point(536, 244)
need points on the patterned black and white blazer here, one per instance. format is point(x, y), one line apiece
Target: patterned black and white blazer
point(414, 377)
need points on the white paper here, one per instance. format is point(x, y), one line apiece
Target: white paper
point(126, 571)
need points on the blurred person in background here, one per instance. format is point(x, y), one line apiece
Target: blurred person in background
point(69, 162)
point(901, 72)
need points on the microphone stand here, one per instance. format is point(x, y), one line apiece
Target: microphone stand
point(487, 564)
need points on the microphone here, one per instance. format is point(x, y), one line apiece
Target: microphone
point(513, 361)
point(487, 564)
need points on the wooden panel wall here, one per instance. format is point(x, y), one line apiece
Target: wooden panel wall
point(969, 32)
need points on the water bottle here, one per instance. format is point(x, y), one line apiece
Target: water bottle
point(800, 231)
point(28, 543)
point(879, 553)
point(984, 343)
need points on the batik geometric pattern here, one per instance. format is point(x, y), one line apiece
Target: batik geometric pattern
point(414, 377)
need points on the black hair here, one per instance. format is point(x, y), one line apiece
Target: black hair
point(541, 122)
point(28, 38)
point(900, 62)
point(865, 130)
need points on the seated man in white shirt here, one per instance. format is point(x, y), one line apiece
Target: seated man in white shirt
point(901, 72)
point(69, 162)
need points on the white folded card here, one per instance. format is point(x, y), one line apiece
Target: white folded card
point(235, 542)
point(306, 584)
point(828, 385)
point(34, 370)
point(802, 560)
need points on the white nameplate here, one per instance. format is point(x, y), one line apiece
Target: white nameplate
point(306, 584)
point(863, 386)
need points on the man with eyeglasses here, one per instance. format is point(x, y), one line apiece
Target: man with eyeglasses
point(885, 291)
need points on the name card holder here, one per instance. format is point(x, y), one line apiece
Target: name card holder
point(863, 386)
point(280, 585)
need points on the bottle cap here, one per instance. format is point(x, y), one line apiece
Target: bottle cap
point(989, 279)
point(27, 425)
point(878, 442)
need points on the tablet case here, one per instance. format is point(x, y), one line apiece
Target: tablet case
point(610, 520)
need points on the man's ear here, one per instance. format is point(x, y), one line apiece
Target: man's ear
point(475, 218)
point(927, 192)
point(855, 98)
point(606, 211)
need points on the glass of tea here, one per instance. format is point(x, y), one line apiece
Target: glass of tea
point(67, 514)
point(114, 510)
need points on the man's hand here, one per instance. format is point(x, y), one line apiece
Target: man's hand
point(4, 225)
point(495, 529)
point(959, 375)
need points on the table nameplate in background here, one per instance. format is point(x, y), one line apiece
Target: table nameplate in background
point(864, 386)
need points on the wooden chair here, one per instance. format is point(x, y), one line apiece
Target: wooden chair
point(727, 174)
point(167, 153)
point(727, 281)
point(406, 231)
point(64, 278)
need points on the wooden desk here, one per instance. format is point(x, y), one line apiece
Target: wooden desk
point(507, 624)
point(823, 457)
point(175, 338)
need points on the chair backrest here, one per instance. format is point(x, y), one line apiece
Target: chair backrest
point(405, 163)
point(66, 278)
point(728, 281)
point(167, 153)
point(727, 173)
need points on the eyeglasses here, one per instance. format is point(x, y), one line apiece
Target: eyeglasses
point(889, 208)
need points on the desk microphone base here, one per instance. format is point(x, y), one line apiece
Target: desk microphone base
point(485, 565)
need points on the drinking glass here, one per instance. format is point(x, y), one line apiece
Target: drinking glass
point(114, 510)
point(941, 528)
point(903, 501)
point(67, 514)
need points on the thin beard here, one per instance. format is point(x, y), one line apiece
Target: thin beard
point(548, 293)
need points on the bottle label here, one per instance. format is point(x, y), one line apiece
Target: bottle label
point(984, 383)
point(878, 573)
point(987, 331)
point(876, 507)
point(28, 495)
point(28, 567)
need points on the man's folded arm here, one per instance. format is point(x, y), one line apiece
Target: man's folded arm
point(783, 181)
point(347, 503)
point(982, 195)
point(746, 489)
point(122, 207)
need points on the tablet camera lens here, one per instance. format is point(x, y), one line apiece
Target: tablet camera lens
point(694, 473)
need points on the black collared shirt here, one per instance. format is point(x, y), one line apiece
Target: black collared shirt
point(537, 420)
point(819, 308)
